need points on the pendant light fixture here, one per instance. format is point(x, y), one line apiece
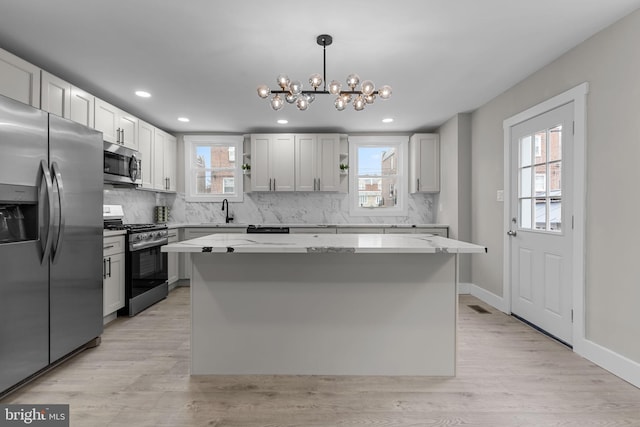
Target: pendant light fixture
point(358, 93)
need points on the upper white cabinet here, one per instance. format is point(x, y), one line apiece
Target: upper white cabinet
point(62, 99)
point(117, 126)
point(317, 165)
point(145, 147)
point(424, 163)
point(82, 107)
point(165, 148)
point(55, 95)
point(19, 79)
point(273, 162)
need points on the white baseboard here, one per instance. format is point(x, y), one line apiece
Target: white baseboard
point(491, 299)
point(464, 288)
point(607, 359)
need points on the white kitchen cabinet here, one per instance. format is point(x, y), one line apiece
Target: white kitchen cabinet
point(55, 95)
point(169, 163)
point(19, 79)
point(312, 230)
point(117, 126)
point(146, 134)
point(113, 274)
point(317, 165)
point(438, 231)
point(360, 230)
point(82, 107)
point(172, 258)
point(424, 163)
point(65, 100)
point(164, 161)
point(273, 162)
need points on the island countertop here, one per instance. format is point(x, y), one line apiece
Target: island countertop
point(323, 243)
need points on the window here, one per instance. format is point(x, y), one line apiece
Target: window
point(540, 180)
point(211, 171)
point(378, 184)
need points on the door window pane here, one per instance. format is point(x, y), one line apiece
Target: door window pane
point(525, 182)
point(555, 143)
point(555, 179)
point(525, 213)
point(541, 214)
point(525, 151)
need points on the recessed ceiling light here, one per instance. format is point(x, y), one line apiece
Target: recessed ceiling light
point(143, 94)
point(283, 121)
point(387, 120)
point(183, 119)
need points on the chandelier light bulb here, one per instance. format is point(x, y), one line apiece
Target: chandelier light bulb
point(283, 81)
point(346, 97)
point(302, 103)
point(370, 98)
point(290, 98)
point(276, 102)
point(315, 80)
point(334, 87)
point(353, 80)
point(384, 92)
point(295, 87)
point(310, 97)
point(359, 103)
point(264, 91)
point(340, 104)
point(368, 87)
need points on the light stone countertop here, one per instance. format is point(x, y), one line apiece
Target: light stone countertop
point(323, 243)
point(236, 225)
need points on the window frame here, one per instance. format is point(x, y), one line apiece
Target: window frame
point(190, 144)
point(401, 144)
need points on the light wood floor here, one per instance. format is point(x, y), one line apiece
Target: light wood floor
point(508, 375)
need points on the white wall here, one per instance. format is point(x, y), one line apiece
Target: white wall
point(610, 62)
point(454, 200)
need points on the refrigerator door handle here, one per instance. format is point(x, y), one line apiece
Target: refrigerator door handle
point(46, 245)
point(57, 177)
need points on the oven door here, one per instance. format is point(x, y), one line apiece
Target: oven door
point(148, 270)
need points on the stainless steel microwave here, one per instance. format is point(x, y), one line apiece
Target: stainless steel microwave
point(122, 165)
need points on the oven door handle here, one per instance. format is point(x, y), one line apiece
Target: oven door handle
point(133, 247)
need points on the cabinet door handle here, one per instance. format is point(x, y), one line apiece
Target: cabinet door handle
point(418, 184)
point(269, 184)
point(318, 184)
point(274, 184)
point(109, 266)
point(122, 136)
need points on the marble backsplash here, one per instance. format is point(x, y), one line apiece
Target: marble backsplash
point(264, 208)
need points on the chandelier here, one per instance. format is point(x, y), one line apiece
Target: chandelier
point(292, 92)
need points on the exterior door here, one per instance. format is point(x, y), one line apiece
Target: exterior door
point(541, 221)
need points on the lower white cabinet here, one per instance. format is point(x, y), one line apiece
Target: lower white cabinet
point(113, 274)
point(360, 230)
point(172, 259)
point(438, 231)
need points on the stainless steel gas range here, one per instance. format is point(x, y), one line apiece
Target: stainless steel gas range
point(145, 265)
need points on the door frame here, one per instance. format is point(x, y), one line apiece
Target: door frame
point(577, 95)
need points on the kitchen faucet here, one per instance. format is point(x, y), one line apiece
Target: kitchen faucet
point(227, 218)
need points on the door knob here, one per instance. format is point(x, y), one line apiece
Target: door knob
point(511, 233)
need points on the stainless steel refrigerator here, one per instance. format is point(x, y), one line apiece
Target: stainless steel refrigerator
point(50, 239)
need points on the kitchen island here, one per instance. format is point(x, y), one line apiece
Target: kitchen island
point(305, 304)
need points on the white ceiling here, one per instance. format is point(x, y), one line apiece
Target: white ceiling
point(203, 59)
